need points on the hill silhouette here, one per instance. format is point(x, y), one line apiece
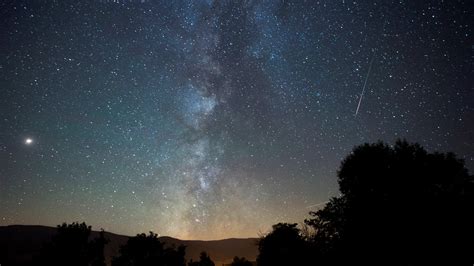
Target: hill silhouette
point(19, 243)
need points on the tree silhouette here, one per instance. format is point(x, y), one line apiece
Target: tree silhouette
point(285, 245)
point(71, 246)
point(240, 262)
point(204, 260)
point(147, 250)
point(400, 205)
point(97, 246)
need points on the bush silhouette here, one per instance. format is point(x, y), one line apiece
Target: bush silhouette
point(147, 250)
point(71, 246)
point(400, 205)
point(285, 245)
point(241, 262)
point(204, 260)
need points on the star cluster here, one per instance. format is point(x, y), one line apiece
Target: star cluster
point(213, 119)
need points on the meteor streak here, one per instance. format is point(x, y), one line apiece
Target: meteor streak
point(317, 205)
point(365, 84)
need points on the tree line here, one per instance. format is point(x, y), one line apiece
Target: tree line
point(398, 205)
point(71, 245)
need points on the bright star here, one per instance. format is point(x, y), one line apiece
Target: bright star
point(28, 141)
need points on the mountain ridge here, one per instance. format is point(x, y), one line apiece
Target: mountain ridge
point(19, 243)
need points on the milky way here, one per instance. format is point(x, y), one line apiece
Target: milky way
point(214, 119)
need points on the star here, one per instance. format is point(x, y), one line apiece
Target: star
point(28, 141)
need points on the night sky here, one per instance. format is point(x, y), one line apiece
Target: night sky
point(215, 119)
